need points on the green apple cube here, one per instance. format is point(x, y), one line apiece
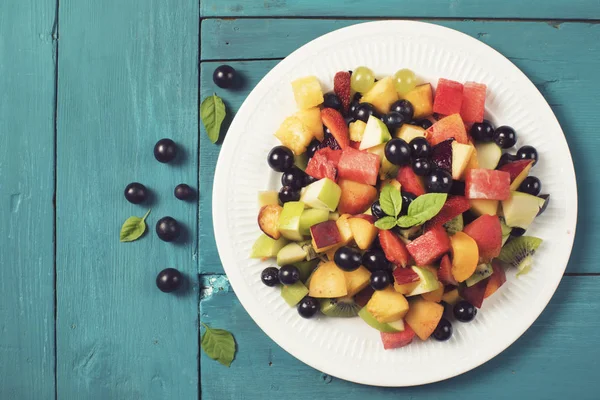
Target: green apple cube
point(373, 323)
point(265, 247)
point(427, 283)
point(289, 220)
point(397, 325)
point(461, 154)
point(521, 209)
point(301, 161)
point(310, 217)
point(323, 194)
point(488, 155)
point(291, 253)
point(376, 132)
point(268, 197)
point(334, 216)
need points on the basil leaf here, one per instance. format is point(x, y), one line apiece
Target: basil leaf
point(407, 221)
point(390, 200)
point(386, 223)
point(426, 206)
point(218, 344)
point(212, 114)
point(133, 228)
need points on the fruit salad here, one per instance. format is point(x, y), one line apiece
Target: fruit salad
point(398, 205)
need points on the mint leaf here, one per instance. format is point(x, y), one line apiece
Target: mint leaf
point(212, 114)
point(133, 228)
point(407, 221)
point(390, 200)
point(386, 223)
point(218, 344)
point(426, 206)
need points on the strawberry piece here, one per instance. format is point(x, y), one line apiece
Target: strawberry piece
point(396, 340)
point(393, 248)
point(445, 272)
point(487, 233)
point(403, 276)
point(454, 206)
point(410, 181)
point(341, 87)
point(336, 124)
point(430, 246)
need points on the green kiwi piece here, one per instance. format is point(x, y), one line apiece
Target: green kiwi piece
point(481, 272)
point(456, 224)
point(344, 307)
point(519, 251)
point(306, 268)
point(292, 294)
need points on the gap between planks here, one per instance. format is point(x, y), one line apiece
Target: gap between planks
point(55, 36)
point(555, 22)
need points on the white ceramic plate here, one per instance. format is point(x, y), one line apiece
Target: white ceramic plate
point(349, 349)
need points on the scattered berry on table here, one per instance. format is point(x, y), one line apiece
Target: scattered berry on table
point(165, 150)
point(169, 280)
point(224, 76)
point(184, 192)
point(136, 193)
point(168, 229)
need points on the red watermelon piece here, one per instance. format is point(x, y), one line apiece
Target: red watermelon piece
point(336, 124)
point(445, 272)
point(403, 276)
point(409, 181)
point(451, 126)
point(359, 166)
point(323, 164)
point(448, 97)
point(487, 184)
point(430, 246)
point(393, 248)
point(473, 102)
point(487, 233)
point(396, 340)
point(455, 205)
point(474, 294)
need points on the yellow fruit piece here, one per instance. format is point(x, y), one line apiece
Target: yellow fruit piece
point(514, 185)
point(483, 206)
point(408, 132)
point(307, 92)
point(461, 156)
point(393, 182)
point(294, 134)
point(472, 164)
point(387, 305)
point(357, 280)
point(452, 297)
point(311, 119)
point(465, 256)
point(364, 232)
point(344, 228)
point(435, 296)
point(357, 130)
point(382, 95)
point(421, 98)
point(406, 288)
point(327, 281)
point(423, 317)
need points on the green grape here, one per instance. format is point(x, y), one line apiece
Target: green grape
point(405, 81)
point(362, 80)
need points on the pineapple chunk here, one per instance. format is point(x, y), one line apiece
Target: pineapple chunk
point(421, 98)
point(307, 92)
point(382, 95)
point(357, 130)
point(294, 134)
point(424, 317)
point(311, 119)
point(387, 305)
point(409, 132)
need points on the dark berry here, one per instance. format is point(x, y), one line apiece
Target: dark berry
point(294, 178)
point(393, 120)
point(183, 192)
point(464, 311)
point(224, 76)
point(363, 111)
point(443, 331)
point(289, 274)
point(286, 194)
point(407, 198)
point(528, 153)
point(506, 158)
point(136, 193)
point(332, 101)
point(165, 150)
point(439, 181)
point(280, 158)
point(421, 166)
point(405, 108)
point(531, 185)
point(270, 276)
point(169, 280)
point(505, 137)
point(376, 210)
point(309, 179)
point(457, 188)
point(308, 307)
point(397, 152)
point(329, 140)
point(312, 148)
point(167, 229)
point(546, 198)
point(483, 131)
point(349, 119)
point(375, 260)
point(354, 103)
point(347, 258)
point(380, 279)
point(516, 232)
point(420, 148)
point(424, 123)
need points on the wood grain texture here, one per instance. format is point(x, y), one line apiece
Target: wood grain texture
point(128, 77)
point(565, 74)
point(27, 81)
point(555, 9)
point(553, 359)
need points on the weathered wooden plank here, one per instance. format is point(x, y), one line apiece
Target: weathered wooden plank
point(27, 106)
point(555, 9)
point(554, 359)
point(128, 76)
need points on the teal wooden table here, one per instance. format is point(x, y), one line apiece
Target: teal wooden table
point(87, 88)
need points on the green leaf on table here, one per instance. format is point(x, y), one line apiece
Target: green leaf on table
point(218, 344)
point(426, 206)
point(212, 114)
point(406, 221)
point(390, 200)
point(133, 228)
point(386, 223)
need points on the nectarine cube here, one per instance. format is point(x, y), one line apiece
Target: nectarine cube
point(355, 197)
point(423, 317)
point(435, 296)
point(364, 232)
point(465, 256)
point(451, 126)
point(430, 246)
point(421, 98)
point(327, 281)
point(387, 305)
point(451, 297)
point(325, 236)
point(357, 280)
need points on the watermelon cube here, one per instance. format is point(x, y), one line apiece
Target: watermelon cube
point(430, 246)
point(451, 126)
point(323, 164)
point(396, 340)
point(393, 248)
point(487, 233)
point(487, 184)
point(409, 181)
point(473, 102)
point(448, 97)
point(454, 206)
point(359, 166)
point(402, 276)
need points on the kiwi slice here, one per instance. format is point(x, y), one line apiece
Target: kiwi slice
point(344, 307)
point(456, 224)
point(292, 294)
point(481, 272)
point(306, 268)
point(519, 251)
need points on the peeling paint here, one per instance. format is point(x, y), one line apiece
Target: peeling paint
point(211, 284)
